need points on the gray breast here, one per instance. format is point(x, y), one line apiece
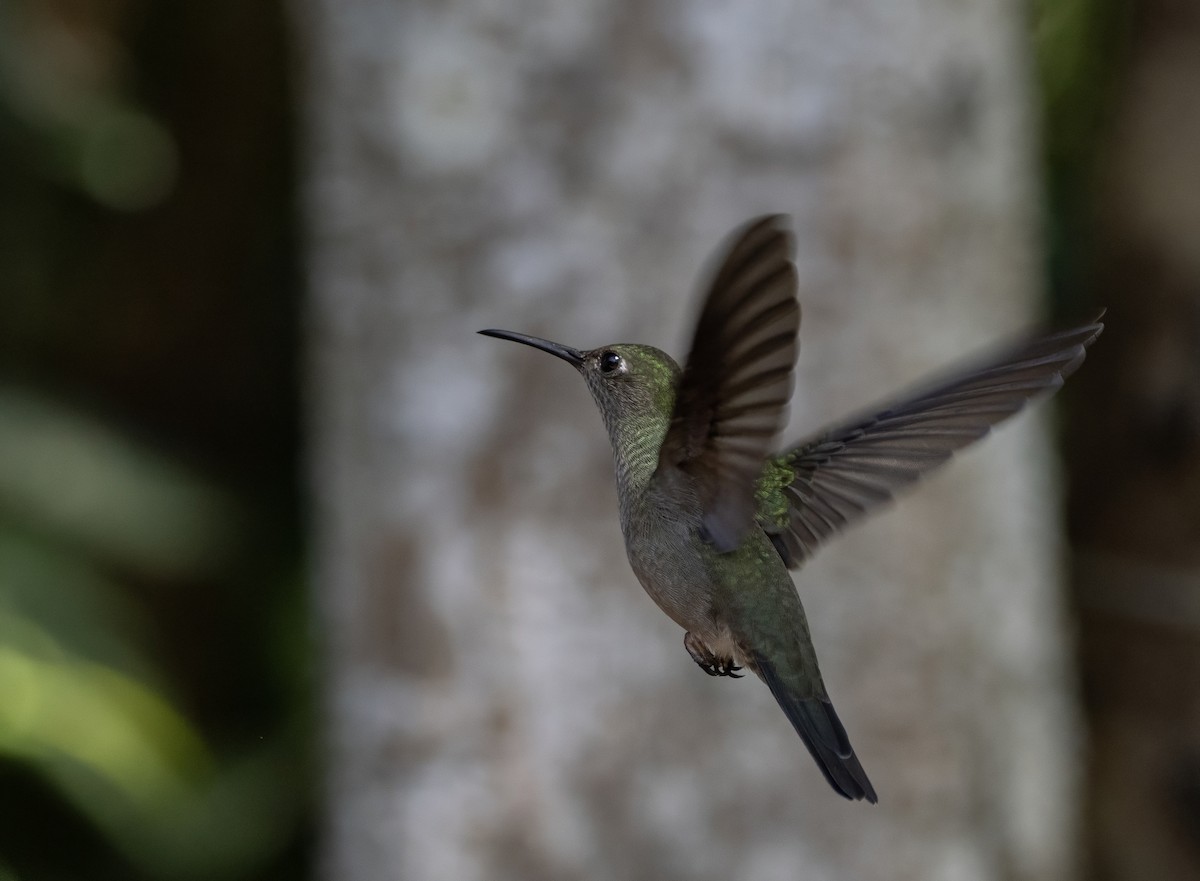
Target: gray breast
point(672, 563)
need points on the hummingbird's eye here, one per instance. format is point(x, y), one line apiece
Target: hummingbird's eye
point(609, 362)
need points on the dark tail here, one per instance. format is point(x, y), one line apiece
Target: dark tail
point(821, 730)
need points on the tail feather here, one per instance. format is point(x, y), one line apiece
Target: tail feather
point(821, 730)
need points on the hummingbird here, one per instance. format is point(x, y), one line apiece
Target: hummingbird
point(714, 517)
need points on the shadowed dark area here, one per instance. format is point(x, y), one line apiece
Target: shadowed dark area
point(150, 513)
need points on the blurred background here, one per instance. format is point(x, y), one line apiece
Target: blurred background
point(254, 621)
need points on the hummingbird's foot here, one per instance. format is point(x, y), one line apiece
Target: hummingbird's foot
point(708, 660)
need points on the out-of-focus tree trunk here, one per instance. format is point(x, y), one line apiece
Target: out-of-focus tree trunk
point(1136, 466)
point(503, 701)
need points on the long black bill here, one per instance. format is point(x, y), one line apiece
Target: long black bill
point(571, 356)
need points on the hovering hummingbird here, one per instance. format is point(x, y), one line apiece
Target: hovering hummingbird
point(713, 519)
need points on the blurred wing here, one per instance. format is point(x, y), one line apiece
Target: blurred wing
point(732, 397)
point(834, 478)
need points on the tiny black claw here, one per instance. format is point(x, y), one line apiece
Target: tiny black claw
point(707, 661)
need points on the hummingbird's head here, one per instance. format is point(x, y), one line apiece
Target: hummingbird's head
point(634, 386)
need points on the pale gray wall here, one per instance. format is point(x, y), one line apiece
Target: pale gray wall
point(504, 701)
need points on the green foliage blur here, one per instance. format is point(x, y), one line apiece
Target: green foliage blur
point(155, 708)
point(1078, 52)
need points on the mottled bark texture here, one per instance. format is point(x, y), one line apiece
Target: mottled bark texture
point(502, 700)
point(1135, 447)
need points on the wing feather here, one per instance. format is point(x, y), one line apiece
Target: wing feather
point(732, 397)
point(835, 477)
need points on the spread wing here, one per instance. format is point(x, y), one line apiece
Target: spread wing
point(732, 398)
point(832, 479)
